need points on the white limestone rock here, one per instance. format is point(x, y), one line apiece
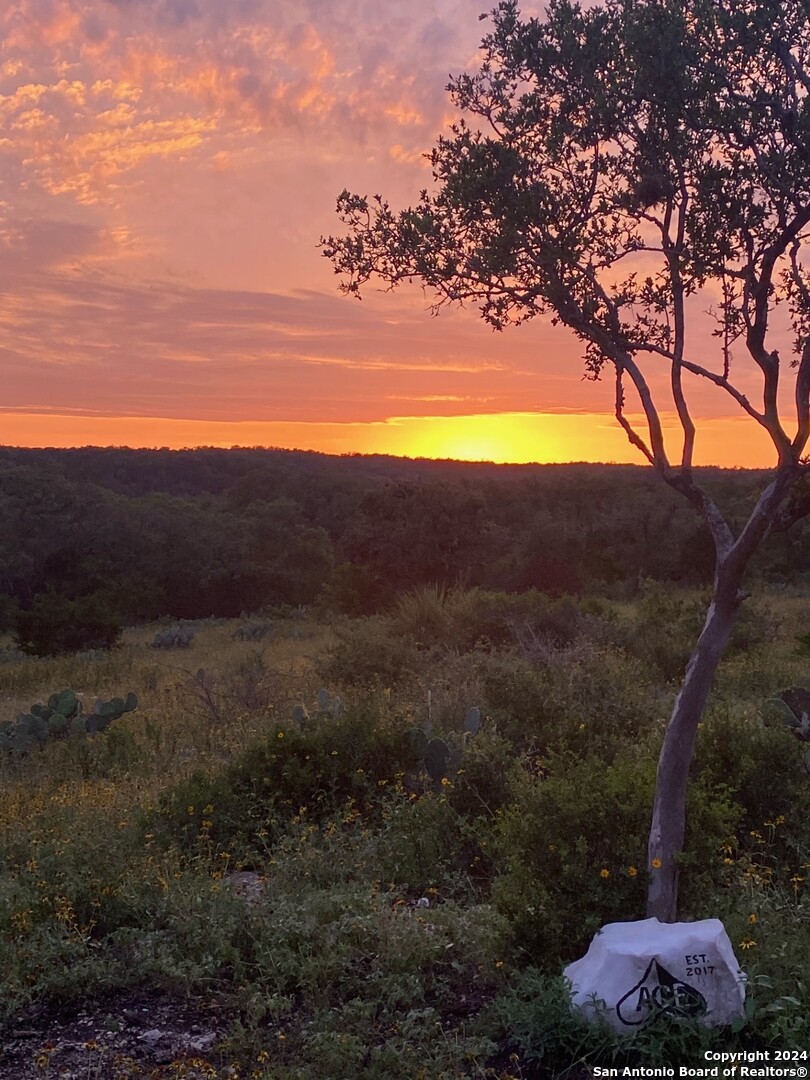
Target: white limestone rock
point(636, 972)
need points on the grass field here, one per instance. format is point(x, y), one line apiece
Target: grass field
point(341, 913)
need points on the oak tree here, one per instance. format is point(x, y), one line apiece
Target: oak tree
point(623, 169)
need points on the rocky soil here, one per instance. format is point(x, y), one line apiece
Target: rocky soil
point(123, 1038)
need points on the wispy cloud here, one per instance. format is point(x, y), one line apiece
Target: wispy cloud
point(90, 90)
point(142, 347)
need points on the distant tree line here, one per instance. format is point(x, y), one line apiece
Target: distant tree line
point(132, 535)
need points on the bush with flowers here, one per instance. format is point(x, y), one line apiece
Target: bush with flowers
point(314, 768)
point(572, 850)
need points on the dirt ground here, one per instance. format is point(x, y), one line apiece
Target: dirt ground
point(132, 1035)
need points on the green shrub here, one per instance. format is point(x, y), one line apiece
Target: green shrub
point(532, 622)
point(426, 614)
point(761, 767)
point(665, 628)
point(591, 700)
point(352, 589)
point(435, 621)
point(756, 624)
point(368, 652)
point(572, 851)
point(481, 787)
point(361, 985)
point(515, 697)
point(54, 624)
point(312, 770)
point(763, 770)
point(421, 845)
point(668, 622)
point(461, 619)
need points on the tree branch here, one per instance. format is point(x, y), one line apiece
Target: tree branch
point(762, 516)
point(673, 253)
point(767, 361)
point(632, 435)
point(802, 402)
point(705, 373)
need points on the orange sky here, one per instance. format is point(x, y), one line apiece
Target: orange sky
point(166, 170)
point(503, 437)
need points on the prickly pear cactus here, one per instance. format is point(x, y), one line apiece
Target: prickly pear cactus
point(61, 716)
point(256, 630)
point(30, 731)
point(78, 726)
point(21, 740)
point(300, 714)
point(472, 721)
point(104, 712)
point(437, 756)
point(66, 704)
point(328, 706)
point(419, 741)
point(791, 708)
point(57, 725)
point(173, 637)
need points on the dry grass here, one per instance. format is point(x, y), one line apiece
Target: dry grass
point(175, 730)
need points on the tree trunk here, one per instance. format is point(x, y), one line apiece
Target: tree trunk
point(669, 808)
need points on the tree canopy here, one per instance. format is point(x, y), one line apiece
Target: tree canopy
point(629, 159)
point(624, 167)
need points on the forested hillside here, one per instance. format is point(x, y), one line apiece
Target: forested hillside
point(363, 831)
point(141, 534)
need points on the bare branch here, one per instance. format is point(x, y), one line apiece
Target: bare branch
point(712, 376)
point(673, 254)
point(767, 361)
point(802, 402)
point(763, 516)
point(632, 435)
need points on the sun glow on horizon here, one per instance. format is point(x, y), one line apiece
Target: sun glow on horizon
point(503, 438)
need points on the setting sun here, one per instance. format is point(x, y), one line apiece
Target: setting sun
point(517, 438)
point(476, 438)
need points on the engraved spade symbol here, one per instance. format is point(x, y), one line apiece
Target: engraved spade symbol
point(658, 992)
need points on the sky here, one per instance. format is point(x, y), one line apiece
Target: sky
point(166, 170)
